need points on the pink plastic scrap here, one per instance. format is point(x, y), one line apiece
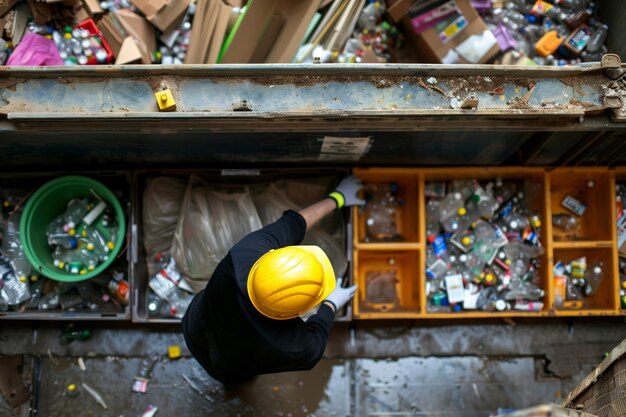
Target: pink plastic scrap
point(35, 51)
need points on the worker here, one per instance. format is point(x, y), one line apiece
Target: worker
point(246, 322)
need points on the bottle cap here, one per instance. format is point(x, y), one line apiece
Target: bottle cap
point(90, 246)
point(462, 211)
point(500, 305)
point(457, 196)
point(466, 241)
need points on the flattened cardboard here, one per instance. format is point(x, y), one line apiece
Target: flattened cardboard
point(243, 43)
point(141, 31)
point(268, 38)
point(298, 15)
point(93, 7)
point(112, 32)
point(164, 14)
point(219, 33)
point(80, 14)
point(129, 53)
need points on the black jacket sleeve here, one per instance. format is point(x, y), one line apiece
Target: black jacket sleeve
point(286, 231)
point(317, 330)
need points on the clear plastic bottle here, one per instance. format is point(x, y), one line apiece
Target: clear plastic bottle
point(380, 212)
point(461, 220)
point(482, 203)
point(76, 210)
point(432, 218)
point(449, 207)
point(516, 223)
point(12, 246)
point(370, 15)
point(14, 290)
point(594, 277)
point(564, 222)
point(63, 240)
point(597, 39)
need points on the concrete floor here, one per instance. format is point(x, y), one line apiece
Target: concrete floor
point(370, 369)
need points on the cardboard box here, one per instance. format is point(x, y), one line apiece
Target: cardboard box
point(166, 15)
point(130, 36)
point(461, 38)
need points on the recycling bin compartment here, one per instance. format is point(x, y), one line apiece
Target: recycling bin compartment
point(585, 194)
point(105, 307)
point(387, 284)
point(606, 298)
point(527, 190)
point(289, 181)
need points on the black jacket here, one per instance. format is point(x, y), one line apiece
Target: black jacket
point(233, 341)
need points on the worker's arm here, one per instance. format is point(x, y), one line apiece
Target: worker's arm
point(317, 211)
point(344, 195)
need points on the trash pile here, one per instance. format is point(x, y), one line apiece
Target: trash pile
point(483, 246)
point(189, 227)
point(553, 32)
point(80, 239)
point(89, 32)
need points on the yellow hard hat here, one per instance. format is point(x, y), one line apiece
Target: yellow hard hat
point(285, 283)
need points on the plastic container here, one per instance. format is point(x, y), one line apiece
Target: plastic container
point(45, 205)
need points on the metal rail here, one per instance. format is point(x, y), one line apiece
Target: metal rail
point(314, 97)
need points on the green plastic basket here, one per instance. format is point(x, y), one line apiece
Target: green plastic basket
point(45, 205)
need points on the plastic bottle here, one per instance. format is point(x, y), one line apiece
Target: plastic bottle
point(597, 39)
point(482, 203)
point(564, 222)
point(380, 211)
point(450, 205)
point(432, 219)
point(594, 278)
point(49, 301)
point(12, 246)
point(516, 223)
point(461, 220)
point(76, 210)
point(370, 15)
point(13, 291)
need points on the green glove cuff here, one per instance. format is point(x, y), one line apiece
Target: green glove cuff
point(339, 198)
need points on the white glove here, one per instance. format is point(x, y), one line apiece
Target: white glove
point(348, 189)
point(341, 296)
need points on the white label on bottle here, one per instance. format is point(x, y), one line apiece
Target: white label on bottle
point(455, 288)
point(344, 149)
point(471, 297)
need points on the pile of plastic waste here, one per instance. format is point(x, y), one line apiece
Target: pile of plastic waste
point(483, 246)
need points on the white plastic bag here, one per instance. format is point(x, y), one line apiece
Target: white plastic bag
point(210, 223)
point(162, 203)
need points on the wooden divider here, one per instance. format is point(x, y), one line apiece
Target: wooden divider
point(597, 238)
